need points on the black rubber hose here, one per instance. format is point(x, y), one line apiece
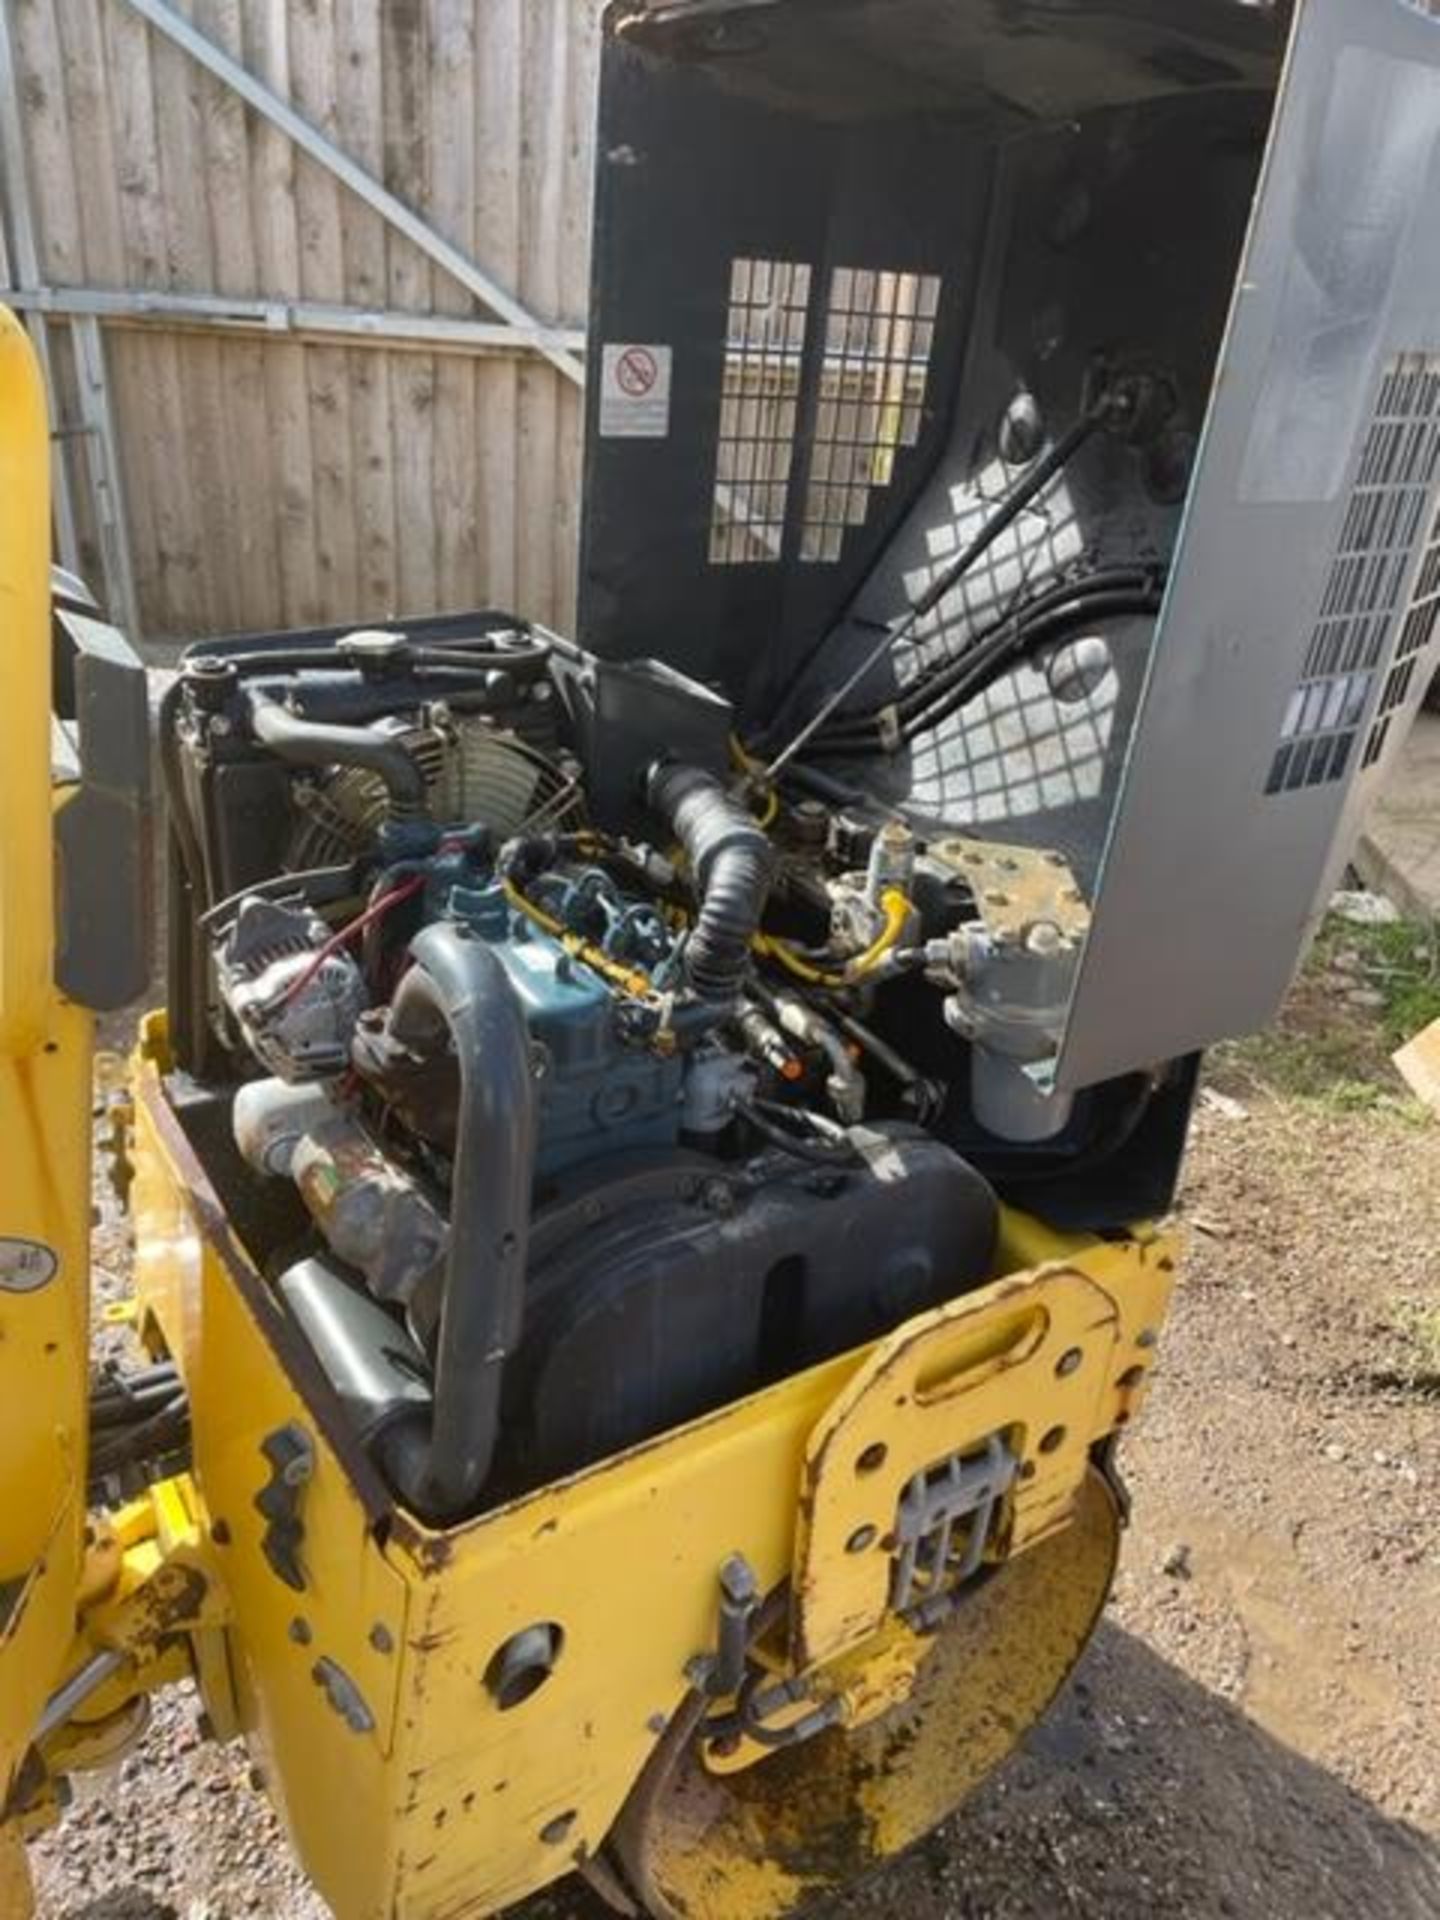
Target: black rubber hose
point(731, 860)
point(1030, 484)
point(1007, 649)
point(458, 995)
point(816, 1152)
point(955, 669)
point(990, 660)
point(308, 743)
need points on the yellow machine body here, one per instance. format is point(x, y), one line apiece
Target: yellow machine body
point(366, 1689)
point(44, 1112)
point(923, 273)
point(355, 1650)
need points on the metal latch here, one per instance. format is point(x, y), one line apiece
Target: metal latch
point(965, 1486)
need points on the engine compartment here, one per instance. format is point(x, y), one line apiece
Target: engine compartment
point(578, 1079)
point(585, 1034)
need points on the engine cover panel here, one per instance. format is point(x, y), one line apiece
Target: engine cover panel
point(661, 1288)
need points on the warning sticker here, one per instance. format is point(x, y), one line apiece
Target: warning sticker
point(634, 391)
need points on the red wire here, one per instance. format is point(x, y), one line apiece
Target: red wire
point(373, 912)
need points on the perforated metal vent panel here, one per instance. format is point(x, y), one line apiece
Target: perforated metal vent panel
point(1416, 638)
point(879, 331)
point(860, 388)
point(1354, 636)
point(764, 338)
point(1302, 603)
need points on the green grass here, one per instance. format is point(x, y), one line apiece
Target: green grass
point(1325, 1049)
point(1418, 1326)
point(1401, 960)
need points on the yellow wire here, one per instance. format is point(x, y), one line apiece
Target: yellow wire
point(638, 985)
point(897, 911)
point(748, 764)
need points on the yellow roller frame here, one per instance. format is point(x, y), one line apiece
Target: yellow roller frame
point(367, 1689)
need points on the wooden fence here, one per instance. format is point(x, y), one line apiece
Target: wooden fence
point(309, 276)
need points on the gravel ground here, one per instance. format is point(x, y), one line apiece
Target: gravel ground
point(1253, 1733)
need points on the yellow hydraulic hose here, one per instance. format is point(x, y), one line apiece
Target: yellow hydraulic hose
point(896, 908)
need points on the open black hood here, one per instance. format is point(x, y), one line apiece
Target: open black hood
point(860, 263)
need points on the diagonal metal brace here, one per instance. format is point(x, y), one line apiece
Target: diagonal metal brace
point(351, 174)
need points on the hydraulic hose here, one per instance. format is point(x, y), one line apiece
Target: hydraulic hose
point(309, 743)
point(956, 668)
point(978, 669)
point(1028, 487)
point(457, 994)
point(897, 912)
point(1008, 648)
point(731, 860)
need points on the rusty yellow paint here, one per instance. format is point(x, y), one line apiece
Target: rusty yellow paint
point(859, 1687)
point(17, 1899)
point(453, 1804)
point(146, 1591)
point(1050, 1360)
point(808, 1821)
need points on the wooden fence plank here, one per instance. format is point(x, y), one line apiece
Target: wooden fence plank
point(318, 197)
point(147, 380)
point(46, 131)
point(273, 165)
point(451, 206)
point(545, 65)
point(102, 264)
point(92, 150)
point(405, 33)
point(358, 120)
point(574, 293)
point(500, 25)
point(200, 589)
point(251, 548)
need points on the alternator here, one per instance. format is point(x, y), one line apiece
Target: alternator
point(296, 999)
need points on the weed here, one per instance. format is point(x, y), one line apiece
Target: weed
point(1418, 1325)
point(1330, 1044)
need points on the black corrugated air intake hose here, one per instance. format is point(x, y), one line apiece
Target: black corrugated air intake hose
point(731, 861)
point(458, 994)
point(312, 743)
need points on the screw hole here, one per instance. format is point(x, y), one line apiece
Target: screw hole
point(1131, 1377)
point(1068, 1362)
point(861, 1540)
point(1051, 1439)
point(554, 1831)
point(873, 1457)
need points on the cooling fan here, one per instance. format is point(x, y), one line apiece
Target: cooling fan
point(474, 772)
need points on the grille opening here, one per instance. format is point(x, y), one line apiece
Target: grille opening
point(879, 334)
point(759, 400)
point(1358, 636)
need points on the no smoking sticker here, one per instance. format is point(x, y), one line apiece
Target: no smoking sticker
point(634, 391)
